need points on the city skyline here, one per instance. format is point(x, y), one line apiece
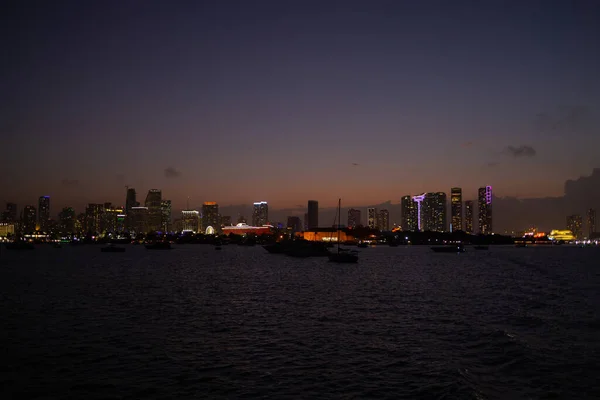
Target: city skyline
point(455, 94)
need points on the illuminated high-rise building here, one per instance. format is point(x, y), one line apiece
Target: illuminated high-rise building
point(294, 224)
point(10, 214)
point(591, 222)
point(434, 212)
point(419, 199)
point(153, 204)
point(469, 212)
point(210, 217)
point(456, 209)
point(190, 221)
point(112, 220)
point(139, 220)
point(372, 218)
point(44, 213)
point(313, 214)
point(353, 218)
point(409, 220)
point(29, 219)
point(484, 205)
point(165, 216)
point(93, 218)
point(66, 221)
point(383, 220)
point(575, 225)
point(260, 213)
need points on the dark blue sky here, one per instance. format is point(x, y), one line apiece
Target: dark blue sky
point(274, 100)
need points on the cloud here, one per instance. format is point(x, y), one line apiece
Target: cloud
point(171, 172)
point(70, 182)
point(521, 151)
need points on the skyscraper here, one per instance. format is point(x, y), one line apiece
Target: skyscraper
point(43, 213)
point(591, 222)
point(130, 202)
point(29, 219)
point(434, 212)
point(260, 213)
point(409, 220)
point(456, 208)
point(484, 205)
point(153, 203)
point(210, 217)
point(139, 220)
point(190, 221)
point(165, 216)
point(112, 219)
point(66, 220)
point(93, 218)
point(383, 220)
point(353, 218)
point(372, 218)
point(313, 214)
point(225, 220)
point(294, 224)
point(10, 215)
point(574, 224)
point(420, 210)
point(469, 216)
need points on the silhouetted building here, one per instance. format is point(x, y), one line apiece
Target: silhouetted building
point(484, 205)
point(139, 220)
point(260, 214)
point(80, 224)
point(93, 218)
point(130, 202)
point(383, 220)
point(44, 213)
point(372, 218)
point(313, 214)
point(165, 216)
point(190, 221)
point(469, 212)
point(456, 209)
point(241, 220)
point(210, 218)
point(575, 225)
point(294, 224)
point(434, 212)
point(419, 199)
point(353, 218)
point(66, 221)
point(112, 219)
point(225, 220)
point(29, 219)
point(153, 204)
point(409, 220)
point(591, 222)
point(10, 214)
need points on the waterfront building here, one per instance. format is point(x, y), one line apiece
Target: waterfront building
point(244, 229)
point(434, 212)
point(409, 220)
point(190, 221)
point(575, 225)
point(93, 218)
point(353, 218)
point(210, 217)
point(484, 205)
point(165, 216)
point(372, 218)
point(29, 219)
point(456, 209)
point(383, 220)
point(591, 222)
point(10, 213)
point(294, 224)
point(153, 204)
point(66, 221)
point(260, 213)
point(44, 213)
point(225, 220)
point(469, 212)
point(313, 215)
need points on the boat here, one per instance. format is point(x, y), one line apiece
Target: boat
point(455, 248)
point(481, 247)
point(112, 248)
point(342, 256)
point(20, 245)
point(159, 246)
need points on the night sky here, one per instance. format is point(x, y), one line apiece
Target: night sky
point(241, 101)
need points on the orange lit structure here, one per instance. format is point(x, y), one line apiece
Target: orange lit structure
point(245, 229)
point(326, 235)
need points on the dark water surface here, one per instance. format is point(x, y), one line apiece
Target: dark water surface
point(404, 323)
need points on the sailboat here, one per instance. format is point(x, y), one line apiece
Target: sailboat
point(342, 255)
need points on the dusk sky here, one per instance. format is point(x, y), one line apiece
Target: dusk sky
point(241, 101)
